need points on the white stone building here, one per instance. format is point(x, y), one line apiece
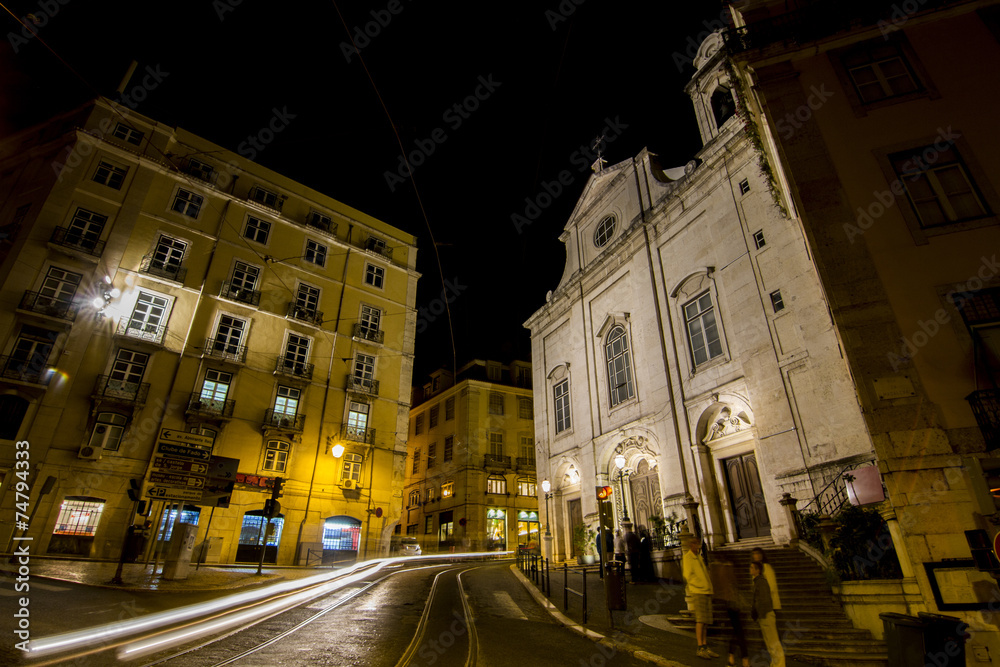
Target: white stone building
point(690, 333)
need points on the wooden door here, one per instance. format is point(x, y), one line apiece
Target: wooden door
point(575, 512)
point(646, 498)
point(746, 497)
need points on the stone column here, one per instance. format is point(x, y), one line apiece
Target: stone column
point(902, 553)
point(788, 503)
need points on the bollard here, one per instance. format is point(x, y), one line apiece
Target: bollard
point(548, 579)
point(585, 596)
point(565, 587)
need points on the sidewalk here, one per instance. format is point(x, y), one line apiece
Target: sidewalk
point(642, 629)
point(137, 577)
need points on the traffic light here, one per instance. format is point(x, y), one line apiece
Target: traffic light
point(134, 489)
point(276, 490)
point(604, 492)
point(272, 508)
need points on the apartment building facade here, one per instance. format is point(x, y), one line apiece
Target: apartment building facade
point(155, 285)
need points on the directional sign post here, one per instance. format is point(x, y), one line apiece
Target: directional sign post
point(180, 465)
point(183, 437)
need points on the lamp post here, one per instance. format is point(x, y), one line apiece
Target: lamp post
point(620, 464)
point(546, 487)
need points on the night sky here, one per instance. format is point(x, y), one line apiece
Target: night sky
point(491, 101)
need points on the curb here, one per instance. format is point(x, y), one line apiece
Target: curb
point(617, 646)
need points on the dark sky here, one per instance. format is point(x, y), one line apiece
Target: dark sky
point(554, 77)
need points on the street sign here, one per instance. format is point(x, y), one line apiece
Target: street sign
point(158, 492)
point(174, 479)
point(164, 464)
point(193, 439)
point(181, 451)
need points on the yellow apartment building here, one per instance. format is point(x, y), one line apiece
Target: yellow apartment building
point(470, 473)
point(181, 320)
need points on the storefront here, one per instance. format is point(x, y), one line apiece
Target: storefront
point(527, 530)
point(496, 529)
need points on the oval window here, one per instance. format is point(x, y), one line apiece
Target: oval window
point(605, 230)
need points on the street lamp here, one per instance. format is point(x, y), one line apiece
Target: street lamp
point(620, 463)
point(546, 487)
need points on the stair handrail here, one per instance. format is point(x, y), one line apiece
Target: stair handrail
point(825, 507)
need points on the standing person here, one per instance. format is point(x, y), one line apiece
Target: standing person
point(619, 546)
point(699, 587)
point(729, 592)
point(757, 556)
point(646, 556)
point(762, 611)
point(632, 549)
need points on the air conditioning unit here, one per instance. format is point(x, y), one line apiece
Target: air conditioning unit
point(348, 484)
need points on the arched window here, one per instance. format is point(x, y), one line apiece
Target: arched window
point(414, 499)
point(12, 411)
point(496, 484)
point(619, 366)
point(723, 106)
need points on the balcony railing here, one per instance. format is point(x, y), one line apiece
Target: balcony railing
point(151, 333)
point(525, 462)
point(293, 368)
point(224, 351)
point(362, 386)
point(294, 423)
point(161, 269)
point(496, 460)
point(362, 332)
point(240, 293)
point(355, 434)
point(200, 171)
point(297, 312)
point(986, 407)
point(265, 198)
point(46, 305)
point(210, 407)
point(321, 222)
point(107, 387)
point(33, 370)
point(378, 246)
point(73, 239)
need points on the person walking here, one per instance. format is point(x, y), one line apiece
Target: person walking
point(698, 585)
point(619, 546)
point(762, 611)
point(632, 550)
point(646, 556)
point(757, 555)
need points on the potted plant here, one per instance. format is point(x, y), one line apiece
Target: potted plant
point(583, 543)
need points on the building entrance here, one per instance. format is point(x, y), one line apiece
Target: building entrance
point(746, 496)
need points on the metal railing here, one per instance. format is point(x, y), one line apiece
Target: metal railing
point(496, 460)
point(294, 423)
point(321, 222)
point(266, 198)
point(292, 368)
point(985, 404)
point(161, 269)
point(210, 407)
point(355, 434)
point(107, 387)
point(378, 246)
point(224, 351)
point(669, 538)
point(73, 239)
point(362, 386)
point(26, 370)
point(151, 333)
point(525, 462)
point(297, 312)
point(362, 332)
point(191, 168)
point(46, 305)
point(833, 496)
point(239, 293)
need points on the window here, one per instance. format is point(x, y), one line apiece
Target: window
point(79, 516)
point(110, 175)
point(370, 320)
point(199, 169)
point(126, 373)
point(29, 357)
point(341, 533)
point(229, 336)
point(254, 532)
point(215, 389)
point(411, 529)
point(496, 484)
point(376, 245)
point(496, 403)
point(352, 467)
point(374, 275)
point(319, 221)
point(449, 409)
point(12, 411)
point(938, 185)
point(758, 239)
point(560, 396)
point(257, 230)
point(276, 455)
point(108, 431)
point(492, 371)
point(496, 443)
point(128, 134)
point(776, 301)
point(357, 421)
point(364, 371)
point(414, 499)
point(85, 229)
point(149, 317)
point(307, 299)
point(57, 290)
point(523, 377)
point(167, 256)
point(296, 354)
point(723, 106)
point(428, 525)
point(449, 448)
point(619, 366)
point(265, 197)
point(524, 408)
point(703, 333)
point(880, 72)
point(188, 514)
point(187, 203)
point(286, 402)
point(429, 494)
point(242, 286)
point(526, 487)
point(315, 253)
point(527, 450)
point(431, 455)
point(433, 416)
point(605, 230)
point(416, 462)
point(448, 489)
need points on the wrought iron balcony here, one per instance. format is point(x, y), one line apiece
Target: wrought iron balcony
point(355, 434)
point(322, 222)
point(378, 246)
point(161, 269)
point(362, 332)
point(34, 370)
point(293, 368)
point(224, 351)
point(496, 461)
point(308, 315)
point(240, 293)
point(151, 333)
point(524, 462)
point(362, 386)
point(979, 308)
point(986, 407)
point(265, 198)
point(46, 305)
point(73, 239)
point(121, 391)
point(200, 170)
point(293, 423)
point(210, 407)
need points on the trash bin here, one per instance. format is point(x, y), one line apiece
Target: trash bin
point(614, 585)
point(904, 639)
point(944, 639)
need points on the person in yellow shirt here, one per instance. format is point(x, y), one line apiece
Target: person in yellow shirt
point(698, 586)
point(762, 611)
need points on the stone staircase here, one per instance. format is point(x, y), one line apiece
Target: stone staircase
point(813, 626)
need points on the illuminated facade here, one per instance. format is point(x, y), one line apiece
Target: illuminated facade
point(152, 280)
